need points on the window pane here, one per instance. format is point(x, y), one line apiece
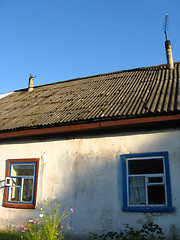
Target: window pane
point(155, 179)
point(27, 190)
point(16, 181)
point(148, 166)
point(156, 194)
point(22, 170)
point(137, 193)
point(14, 194)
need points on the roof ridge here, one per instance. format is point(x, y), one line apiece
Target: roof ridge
point(98, 75)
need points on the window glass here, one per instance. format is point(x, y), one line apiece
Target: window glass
point(16, 181)
point(156, 194)
point(155, 179)
point(27, 190)
point(147, 166)
point(140, 189)
point(14, 194)
point(22, 170)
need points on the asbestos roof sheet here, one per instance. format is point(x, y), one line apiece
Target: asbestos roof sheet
point(126, 94)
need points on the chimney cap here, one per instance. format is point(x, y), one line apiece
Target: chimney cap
point(31, 76)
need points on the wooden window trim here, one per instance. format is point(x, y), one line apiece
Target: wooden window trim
point(21, 205)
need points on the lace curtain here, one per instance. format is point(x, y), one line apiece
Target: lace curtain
point(137, 192)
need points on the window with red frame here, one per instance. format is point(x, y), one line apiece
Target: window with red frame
point(21, 183)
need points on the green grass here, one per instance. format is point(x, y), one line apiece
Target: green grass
point(8, 234)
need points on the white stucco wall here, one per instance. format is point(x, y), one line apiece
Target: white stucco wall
point(85, 172)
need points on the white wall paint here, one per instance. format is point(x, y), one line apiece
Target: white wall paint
point(85, 173)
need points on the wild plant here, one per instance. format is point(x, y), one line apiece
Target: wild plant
point(50, 225)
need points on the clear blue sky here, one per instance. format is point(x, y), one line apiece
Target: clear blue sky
point(64, 39)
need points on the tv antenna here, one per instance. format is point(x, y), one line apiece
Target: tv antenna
point(165, 26)
point(168, 47)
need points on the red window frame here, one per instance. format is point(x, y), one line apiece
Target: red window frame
point(21, 205)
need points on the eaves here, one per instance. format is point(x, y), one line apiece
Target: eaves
point(132, 123)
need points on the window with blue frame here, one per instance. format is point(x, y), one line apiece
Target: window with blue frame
point(146, 182)
point(21, 183)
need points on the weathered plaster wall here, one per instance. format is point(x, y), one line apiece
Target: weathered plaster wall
point(85, 172)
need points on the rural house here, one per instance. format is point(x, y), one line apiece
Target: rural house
point(107, 145)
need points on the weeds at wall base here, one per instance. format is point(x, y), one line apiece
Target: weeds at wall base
point(148, 232)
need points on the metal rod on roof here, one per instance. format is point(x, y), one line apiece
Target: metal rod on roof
point(165, 26)
point(168, 47)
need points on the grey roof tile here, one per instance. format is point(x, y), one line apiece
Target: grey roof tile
point(132, 93)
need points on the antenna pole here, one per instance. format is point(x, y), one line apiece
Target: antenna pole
point(168, 47)
point(165, 27)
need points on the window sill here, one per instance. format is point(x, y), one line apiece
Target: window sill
point(148, 209)
point(19, 205)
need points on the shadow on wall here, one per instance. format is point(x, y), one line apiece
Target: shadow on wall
point(2, 184)
point(92, 186)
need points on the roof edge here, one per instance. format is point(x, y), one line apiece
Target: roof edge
point(3, 95)
point(91, 126)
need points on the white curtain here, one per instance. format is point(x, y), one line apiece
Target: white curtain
point(137, 192)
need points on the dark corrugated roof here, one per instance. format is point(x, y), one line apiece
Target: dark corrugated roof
point(132, 93)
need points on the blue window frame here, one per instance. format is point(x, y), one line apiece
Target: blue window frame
point(21, 183)
point(22, 176)
point(146, 182)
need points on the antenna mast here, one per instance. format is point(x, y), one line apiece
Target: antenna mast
point(168, 47)
point(165, 26)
